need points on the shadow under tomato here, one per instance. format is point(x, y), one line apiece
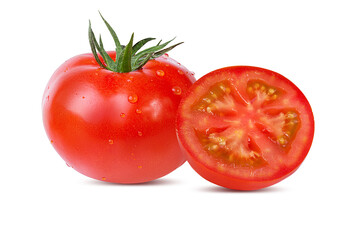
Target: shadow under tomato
point(219, 189)
point(157, 182)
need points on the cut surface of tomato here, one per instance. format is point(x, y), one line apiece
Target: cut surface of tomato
point(245, 127)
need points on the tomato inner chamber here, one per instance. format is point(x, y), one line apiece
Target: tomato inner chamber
point(233, 146)
point(244, 115)
point(218, 101)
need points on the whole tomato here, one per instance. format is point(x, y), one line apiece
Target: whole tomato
point(111, 116)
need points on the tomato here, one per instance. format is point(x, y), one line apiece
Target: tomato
point(245, 127)
point(116, 127)
point(111, 115)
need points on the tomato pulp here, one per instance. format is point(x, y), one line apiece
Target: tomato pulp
point(116, 127)
point(245, 127)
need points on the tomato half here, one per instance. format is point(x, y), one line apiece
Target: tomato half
point(244, 127)
point(116, 127)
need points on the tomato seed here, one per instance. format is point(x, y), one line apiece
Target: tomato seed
point(282, 141)
point(207, 100)
point(271, 91)
point(213, 147)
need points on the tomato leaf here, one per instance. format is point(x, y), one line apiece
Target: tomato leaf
point(119, 47)
point(92, 41)
point(140, 44)
point(160, 53)
point(154, 49)
point(109, 62)
point(142, 60)
point(124, 62)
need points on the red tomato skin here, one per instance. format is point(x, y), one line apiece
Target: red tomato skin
point(116, 127)
point(227, 180)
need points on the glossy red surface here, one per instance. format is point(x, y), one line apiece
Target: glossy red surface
point(116, 127)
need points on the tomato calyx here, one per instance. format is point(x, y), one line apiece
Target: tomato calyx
point(128, 57)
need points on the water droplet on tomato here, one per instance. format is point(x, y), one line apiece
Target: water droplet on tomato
point(192, 73)
point(133, 98)
point(177, 90)
point(110, 141)
point(47, 98)
point(103, 179)
point(140, 134)
point(122, 115)
point(166, 55)
point(160, 73)
point(138, 110)
point(68, 165)
point(51, 141)
point(180, 72)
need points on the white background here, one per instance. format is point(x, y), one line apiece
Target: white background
point(307, 41)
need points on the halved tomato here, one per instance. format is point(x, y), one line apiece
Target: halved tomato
point(244, 127)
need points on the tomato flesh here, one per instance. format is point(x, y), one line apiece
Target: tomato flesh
point(245, 127)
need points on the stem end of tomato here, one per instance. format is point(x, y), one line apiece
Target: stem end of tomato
point(128, 57)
